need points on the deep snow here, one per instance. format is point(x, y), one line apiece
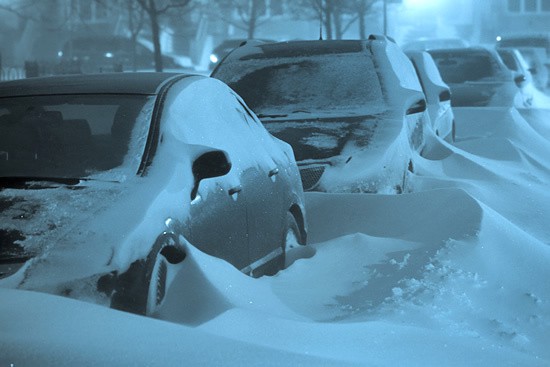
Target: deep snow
point(453, 273)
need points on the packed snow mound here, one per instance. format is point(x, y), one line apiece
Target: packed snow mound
point(98, 336)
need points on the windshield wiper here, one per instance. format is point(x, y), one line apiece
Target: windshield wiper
point(30, 181)
point(271, 116)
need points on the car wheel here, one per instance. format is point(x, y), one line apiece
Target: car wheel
point(142, 288)
point(161, 271)
point(157, 285)
point(292, 240)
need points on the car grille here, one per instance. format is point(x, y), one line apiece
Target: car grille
point(311, 176)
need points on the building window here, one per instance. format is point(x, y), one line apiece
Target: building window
point(530, 6)
point(514, 6)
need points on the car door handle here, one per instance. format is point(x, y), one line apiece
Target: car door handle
point(273, 172)
point(234, 190)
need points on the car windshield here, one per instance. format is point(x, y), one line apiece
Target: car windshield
point(460, 67)
point(326, 83)
point(71, 136)
point(525, 42)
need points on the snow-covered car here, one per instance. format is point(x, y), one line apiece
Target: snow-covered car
point(103, 54)
point(513, 59)
point(353, 111)
point(477, 77)
point(438, 94)
point(106, 180)
point(535, 47)
point(538, 65)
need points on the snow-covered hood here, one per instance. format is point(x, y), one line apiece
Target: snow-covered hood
point(484, 93)
point(322, 137)
point(41, 214)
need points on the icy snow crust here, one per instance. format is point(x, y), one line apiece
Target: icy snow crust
point(454, 273)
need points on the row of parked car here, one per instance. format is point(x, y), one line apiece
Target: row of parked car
point(108, 179)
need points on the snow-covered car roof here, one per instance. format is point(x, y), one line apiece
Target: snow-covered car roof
point(105, 83)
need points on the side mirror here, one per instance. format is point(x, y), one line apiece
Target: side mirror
point(418, 106)
point(520, 79)
point(210, 164)
point(445, 96)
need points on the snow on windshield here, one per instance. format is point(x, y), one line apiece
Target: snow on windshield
point(328, 83)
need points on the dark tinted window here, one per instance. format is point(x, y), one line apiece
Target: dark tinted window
point(68, 136)
point(526, 42)
point(509, 60)
point(459, 67)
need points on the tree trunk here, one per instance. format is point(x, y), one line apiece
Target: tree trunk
point(155, 32)
point(361, 13)
point(253, 19)
point(337, 17)
point(328, 18)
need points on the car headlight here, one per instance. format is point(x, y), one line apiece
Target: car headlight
point(214, 58)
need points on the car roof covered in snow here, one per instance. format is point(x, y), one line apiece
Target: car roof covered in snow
point(106, 83)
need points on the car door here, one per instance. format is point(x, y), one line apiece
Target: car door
point(266, 191)
point(217, 220)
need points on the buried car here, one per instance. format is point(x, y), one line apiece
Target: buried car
point(477, 77)
point(352, 110)
point(106, 179)
point(514, 61)
point(438, 94)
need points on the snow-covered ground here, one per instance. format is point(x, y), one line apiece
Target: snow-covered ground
point(454, 273)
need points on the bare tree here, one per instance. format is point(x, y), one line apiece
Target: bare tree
point(324, 10)
point(361, 9)
point(337, 16)
point(242, 14)
point(155, 9)
point(136, 19)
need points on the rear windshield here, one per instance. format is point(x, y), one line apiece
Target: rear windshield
point(526, 42)
point(71, 136)
point(460, 67)
point(331, 83)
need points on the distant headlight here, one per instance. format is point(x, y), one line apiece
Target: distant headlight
point(109, 55)
point(214, 58)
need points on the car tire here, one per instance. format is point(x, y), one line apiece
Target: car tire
point(142, 288)
point(158, 283)
point(160, 271)
point(292, 239)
